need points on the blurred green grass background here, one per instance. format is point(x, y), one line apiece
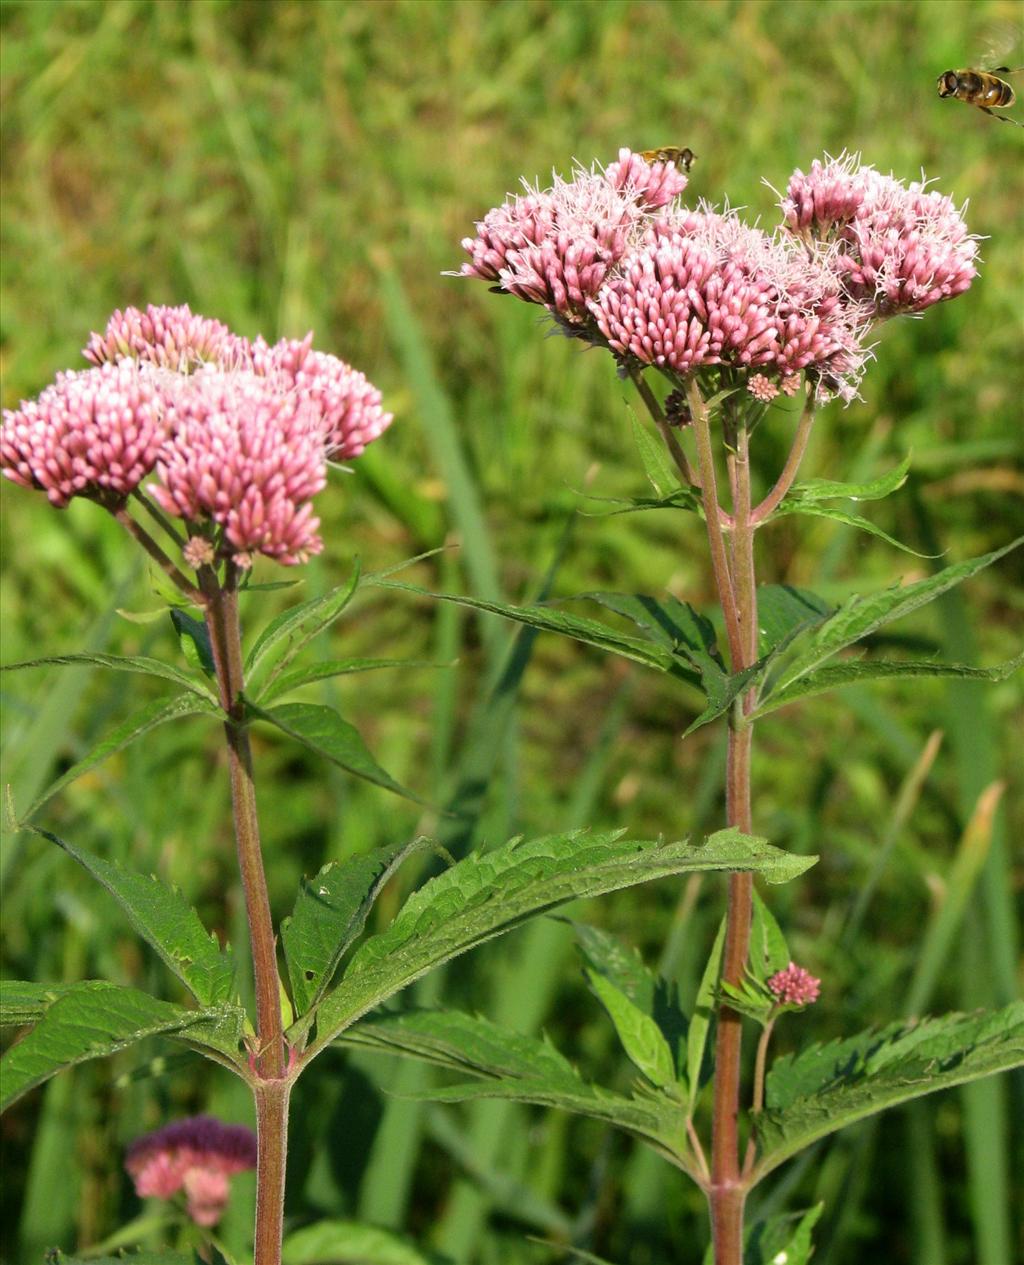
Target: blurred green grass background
point(286, 166)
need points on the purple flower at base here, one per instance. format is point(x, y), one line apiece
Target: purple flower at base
point(92, 433)
point(247, 456)
point(198, 1155)
point(794, 986)
point(171, 337)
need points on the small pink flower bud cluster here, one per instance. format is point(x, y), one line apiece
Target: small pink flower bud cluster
point(93, 433)
point(198, 1155)
point(172, 337)
point(555, 247)
point(794, 986)
point(898, 247)
point(248, 456)
point(239, 432)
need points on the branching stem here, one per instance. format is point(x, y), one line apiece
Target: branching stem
point(785, 480)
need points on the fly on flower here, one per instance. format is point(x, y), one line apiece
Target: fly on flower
point(681, 159)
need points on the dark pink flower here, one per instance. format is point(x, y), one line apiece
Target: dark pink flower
point(350, 406)
point(92, 433)
point(172, 337)
point(249, 457)
point(794, 986)
point(899, 248)
point(199, 1155)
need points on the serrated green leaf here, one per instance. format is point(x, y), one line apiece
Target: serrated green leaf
point(768, 949)
point(641, 1037)
point(660, 472)
point(166, 921)
point(322, 730)
point(812, 509)
point(332, 668)
point(118, 663)
point(521, 1069)
point(488, 893)
point(872, 490)
point(681, 499)
point(23, 1001)
point(194, 639)
point(860, 671)
point(297, 626)
point(91, 1020)
point(674, 624)
point(700, 1021)
point(828, 1087)
point(550, 619)
point(861, 616)
point(158, 712)
point(783, 610)
point(330, 913)
point(778, 1241)
point(352, 1243)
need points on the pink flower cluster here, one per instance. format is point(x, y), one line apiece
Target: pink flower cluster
point(613, 255)
point(556, 246)
point(198, 1155)
point(794, 986)
point(239, 432)
point(899, 248)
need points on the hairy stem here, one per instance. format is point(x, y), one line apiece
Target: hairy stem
point(785, 480)
point(728, 1188)
point(272, 1082)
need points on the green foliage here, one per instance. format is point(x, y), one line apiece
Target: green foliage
point(194, 640)
point(352, 1243)
point(641, 1037)
point(826, 1088)
point(118, 663)
point(23, 1002)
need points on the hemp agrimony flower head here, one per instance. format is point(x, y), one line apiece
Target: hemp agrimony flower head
point(794, 986)
point(239, 433)
point(619, 262)
point(198, 1155)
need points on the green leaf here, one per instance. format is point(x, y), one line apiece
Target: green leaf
point(680, 499)
point(861, 616)
point(519, 1068)
point(335, 667)
point(194, 639)
point(330, 913)
point(661, 474)
point(549, 619)
point(488, 893)
point(825, 1088)
point(322, 730)
point(700, 1021)
point(672, 623)
point(352, 1243)
point(641, 1037)
point(768, 949)
point(812, 509)
point(158, 712)
point(23, 1001)
point(89, 1021)
point(783, 610)
point(118, 663)
point(166, 921)
point(299, 625)
point(859, 671)
point(130, 1258)
point(827, 490)
point(777, 1241)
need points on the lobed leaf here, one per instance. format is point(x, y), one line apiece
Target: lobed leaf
point(519, 1068)
point(325, 671)
point(24, 1001)
point(322, 730)
point(861, 616)
point(90, 1020)
point(825, 1088)
point(857, 672)
point(488, 893)
point(117, 663)
point(330, 913)
point(156, 713)
point(166, 921)
point(299, 625)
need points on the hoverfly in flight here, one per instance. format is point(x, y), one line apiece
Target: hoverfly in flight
point(981, 88)
point(680, 158)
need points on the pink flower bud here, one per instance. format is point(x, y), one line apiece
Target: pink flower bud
point(794, 986)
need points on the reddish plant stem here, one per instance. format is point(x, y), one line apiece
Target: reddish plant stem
point(161, 559)
point(785, 480)
point(272, 1083)
point(757, 1099)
